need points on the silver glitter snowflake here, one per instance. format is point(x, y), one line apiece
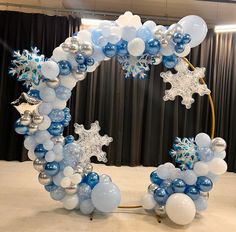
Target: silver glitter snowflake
point(91, 142)
point(27, 66)
point(185, 83)
point(185, 153)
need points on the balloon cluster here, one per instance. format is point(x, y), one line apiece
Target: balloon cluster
point(181, 192)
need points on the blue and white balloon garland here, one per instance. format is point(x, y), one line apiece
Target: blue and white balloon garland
point(63, 163)
point(181, 192)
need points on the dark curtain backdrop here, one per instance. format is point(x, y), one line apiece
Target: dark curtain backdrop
point(142, 125)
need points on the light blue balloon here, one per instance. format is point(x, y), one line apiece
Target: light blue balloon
point(106, 197)
point(84, 191)
point(95, 35)
point(144, 33)
point(57, 115)
point(98, 54)
point(63, 93)
point(206, 153)
point(201, 203)
point(86, 207)
point(58, 194)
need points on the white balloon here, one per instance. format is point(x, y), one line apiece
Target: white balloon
point(45, 108)
point(201, 168)
point(76, 178)
point(65, 182)
point(59, 157)
point(31, 155)
point(83, 36)
point(189, 177)
point(47, 94)
point(50, 156)
point(102, 41)
point(196, 27)
point(68, 82)
point(59, 104)
point(180, 209)
point(203, 140)
point(123, 20)
point(186, 51)
point(68, 171)
point(45, 124)
point(128, 13)
point(150, 25)
point(86, 207)
point(70, 202)
point(48, 145)
point(57, 178)
point(59, 54)
point(217, 166)
point(128, 33)
point(148, 201)
point(113, 39)
point(169, 165)
point(29, 143)
point(42, 136)
point(136, 47)
point(93, 67)
point(221, 155)
point(135, 21)
point(50, 69)
point(163, 172)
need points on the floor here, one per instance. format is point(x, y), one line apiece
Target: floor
point(26, 207)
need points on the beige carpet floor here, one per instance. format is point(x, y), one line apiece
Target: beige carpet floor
point(26, 207)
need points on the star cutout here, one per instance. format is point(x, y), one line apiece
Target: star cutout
point(185, 83)
point(26, 102)
point(91, 142)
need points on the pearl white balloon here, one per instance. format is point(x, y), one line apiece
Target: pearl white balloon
point(48, 145)
point(70, 202)
point(163, 172)
point(148, 201)
point(136, 47)
point(180, 209)
point(196, 27)
point(201, 168)
point(189, 177)
point(150, 25)
point(45, 124)
point(186, 51)
point(217, 166)
point(50, 69)
point(203, 140)
point(65, 182)
point(221, 155)
point(76, 178)
point(68, 82)
point(45, 108)
point(59, 54)
point(50, 156)
point(135, 21)
point(42, 136)
point(68, 171)
point(29, 143)
point(31, 155)
point(47, 94)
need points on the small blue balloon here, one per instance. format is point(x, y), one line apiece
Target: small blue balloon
point(193, 192)
point(80, 59)
point(56, 128)
point(34, 93)
point(109, 50)
point(160, 196)
point(57, 115)
point(20, 129)
point(204, 183)
point(50, 187)
point(95, 35)
point(177, 37)
point(178, 185)
point(69, 139)
point(82, 67)
point(58, 194)
point(89, 61)
point(84, 191)
point(40, 151)
point(92, 179)
point(63, 93)
point(144, 33)
point(122, 48)
point(155, 179)
point(52, 168)
point(167, 185)
point(66, 110)
point(153, 46)
point(186, 39)
point(170, 61)
point(179, 47)
point(65, 67)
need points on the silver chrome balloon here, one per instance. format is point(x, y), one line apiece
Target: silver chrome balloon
point(160, 211)
point(53, 83)
point(71, 190)
point(25, 120)
point(158, 34)
point(74, 40)
point(157, 59)
point(178, 28)
point(44, 179)
point(164, 43)
point(152, 188)
point(80, 169)
point(79, 75)
point(218, 144)
point(74, 48)
point(86, 48)
point(39, 164)
point(37, 119)
point(58, 139)
point(88, 168)
point(33, 127)
point(65, 47)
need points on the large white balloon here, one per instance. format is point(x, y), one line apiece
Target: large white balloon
point(203, 140)
point(180, 208)
point(136, 47)
point(196, 27)
point(50, 69)
point(217, 166)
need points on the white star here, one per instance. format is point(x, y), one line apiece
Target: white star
point(185, 83)
point(91, 142)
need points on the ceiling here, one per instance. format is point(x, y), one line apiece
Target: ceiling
point(214, 12)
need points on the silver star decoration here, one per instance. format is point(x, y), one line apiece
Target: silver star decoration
point(185, 83)
point(91, 142)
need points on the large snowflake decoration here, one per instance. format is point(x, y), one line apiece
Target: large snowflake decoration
point(185, 153)
point(27, 66)
point(185, 83)
point(91, 142)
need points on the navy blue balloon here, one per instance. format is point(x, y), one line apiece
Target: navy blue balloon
point(65, 67)
point(186, 39)
point(193, 192)
point(34, 93)
point(69, 139)
point(179, 47)
point(177, 37)
point(89, 61)
point(167, 185)
point(40, 151)
point(155, 179)
point(153, 46)
point(20, 129)
point(160, 196)
point(80, 59)
point(50, 187)
point(122, 48)
point(178, 185)
point(82, 67)
point(109, 50)
point(52, 168)
point(170, 61)
point(92, 179)
point(55, 129)
point(204, 183)
point(57, 115)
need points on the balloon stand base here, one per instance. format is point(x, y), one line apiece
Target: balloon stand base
point(91, 217)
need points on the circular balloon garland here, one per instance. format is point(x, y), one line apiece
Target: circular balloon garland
point(64, 164)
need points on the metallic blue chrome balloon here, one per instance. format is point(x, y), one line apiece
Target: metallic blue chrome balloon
point(56, 128)
point(204, 183)
point(50, 187)
point(109, 50)
point(177, 37)
point(167, 185)
point(20, 129)
point(40, 151)
point(65, 67)
point(89, 61)
point(69, 139)
point(80, 59)
point(52, 168)
point(82, 68)
point(193, 192)
point(34, 93)
point(153, 46)
point(155, 179)
point(170, 61)
point(186, 39)
point(160, 196)
point(92, 179)
point(122, 48)
point(179, 47)
point(178, 185)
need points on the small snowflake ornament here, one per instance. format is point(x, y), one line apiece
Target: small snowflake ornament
point(91, 142)
point(185, 83)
